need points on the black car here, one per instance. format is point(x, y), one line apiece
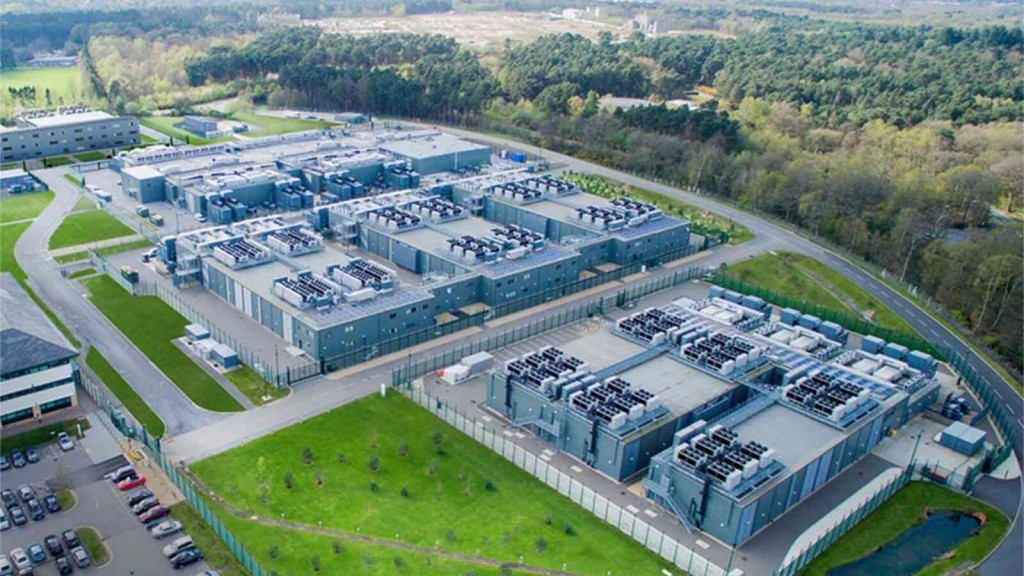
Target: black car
point(139, 497)
point(32, 455)
point(182, 559)
point(63, 565)
point(35, 509)
point(70, 538)
point(18, 515)
point(51, 503)
point(8, 497)
point(53, 545)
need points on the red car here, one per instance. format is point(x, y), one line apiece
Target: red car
point(154, 513)
point(130, 483)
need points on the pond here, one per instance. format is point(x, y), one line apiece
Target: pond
point(914, 549)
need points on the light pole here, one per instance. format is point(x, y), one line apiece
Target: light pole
point(913, 454)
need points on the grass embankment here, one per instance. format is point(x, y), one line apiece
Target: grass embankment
point(42, 435)
point(66, 499)
point(125, 393)
point(91, 156)
point(84, 204)
point(253, 386)
point(24, 206)
point(811, 281)
point(152, 326)
point(269, 125)
point(105, 251)
point(82, 273)
point(701, 221)
point(169, 126)
point(458, 496)
point(87, 227)
point(216, 553)
point(899, 514)
point(93, 543)
point(73, 179)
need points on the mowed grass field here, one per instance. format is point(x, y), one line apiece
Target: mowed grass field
point(447, 506)
point(152, 326)
point(125, 393)
point(899, 514)
point(807, 279)
point(63, 83)
point(87, 227)
point(23, 206)
point(269, 125)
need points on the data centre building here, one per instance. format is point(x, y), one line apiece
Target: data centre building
point(40, 134)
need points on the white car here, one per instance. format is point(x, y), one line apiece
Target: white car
point(200, 217)
point(5, 523)
point(21, 562)
point(6, 568)
point(179, 545)
point(65, 442)
point(165, 529)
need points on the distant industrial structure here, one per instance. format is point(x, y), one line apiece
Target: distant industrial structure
point(42, 133)
point(38, 371)
point(736, 412)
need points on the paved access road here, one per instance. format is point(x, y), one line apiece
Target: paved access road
point(71, 305)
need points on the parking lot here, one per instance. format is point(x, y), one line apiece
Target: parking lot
point(98, 504)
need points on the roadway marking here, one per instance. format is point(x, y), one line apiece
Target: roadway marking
point(545, 457)
point(486, 418)
point(651, 513)
point(549, 452)
point(633, 509)
point(576, 468)
point(702, 544)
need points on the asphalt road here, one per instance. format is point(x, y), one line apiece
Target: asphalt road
point(71, 305)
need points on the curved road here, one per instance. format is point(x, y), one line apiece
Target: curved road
point(66, 300)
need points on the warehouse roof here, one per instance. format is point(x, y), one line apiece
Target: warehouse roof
point(67, 119)
point(681, 387)
point(27, 337)
point(428, 147)
point(142, 172)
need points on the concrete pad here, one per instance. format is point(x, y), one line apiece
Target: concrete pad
point(99, 443)
point(899, 449)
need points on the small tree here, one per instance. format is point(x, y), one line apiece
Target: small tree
point(288, 480)
point(462, 474)
point(548, 520)
point(450, 535)
point(374, 487)
point(319, 475)
point(307, 456)
point(336, 545)
point(569, 530)
point(432, 468)
point(403, 448)
point(374, 436)
point(398, 561)
point(314, 560)
point(374, 463)
point(405, 492)
point(540, 545)
point(489, 485)
point(438, 439)
point(341, 458)
point(272, 552)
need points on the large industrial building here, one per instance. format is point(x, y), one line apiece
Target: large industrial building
point(38, 371)
point(41, 134)
point(736, 412)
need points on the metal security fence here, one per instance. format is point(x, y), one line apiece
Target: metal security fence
point(993, 403)
point(849, 321)
point(842, 526)
point(628, 523)
point(120, 418)
point(101, 265)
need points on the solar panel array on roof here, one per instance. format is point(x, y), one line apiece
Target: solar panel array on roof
point(437, 209)
point(294, 241)
point(241, 253)
point(721, 352)
point(393, 218)
point(307, 290)
point(614, 402)
point(719, 454)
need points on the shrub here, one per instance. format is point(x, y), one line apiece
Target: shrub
point(399, 561)
point(336, 545)
point(319, 475)
point(438, 439)
point(374, 487)
point(403, 448)
point(505, 570)
point(314, 560)
point(288, 480)
point(341, 458)
point(374, 463)
point(569, 530)
point(272, 552)
point(548, 520)
point(405, 492)
point(489, 485)
point(432, 468)
point(450, 535)
point(540, 545)
point(307, 456)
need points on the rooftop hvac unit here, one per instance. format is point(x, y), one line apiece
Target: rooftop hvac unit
point(361, 295)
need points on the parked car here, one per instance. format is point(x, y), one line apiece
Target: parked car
point(165, 529)
point(145, 505)
point(70, 538)
point(139, 497)
point(52, 504)
point(63, 565)
point(5, 463)
point(8, 497)
point(179, 545)
point(32, 455)
point(122, 473)
point(36, 553)
point(22, 565)
point(53, 545)
point(81, 557)
point(182, 559)
point(154, 513)
point(65, 442)
point(5, 522)
point(18, 458)
point(26, 493)
point(6, 568)
point(18, 515)
point(35, 510)
point(130, 483)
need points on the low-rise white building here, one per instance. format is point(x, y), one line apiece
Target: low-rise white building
point(38, 371)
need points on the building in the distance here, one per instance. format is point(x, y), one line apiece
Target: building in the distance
point(40, 134)
point(199, 125)
point(38, 371)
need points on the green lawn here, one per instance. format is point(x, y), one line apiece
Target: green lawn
point(82, 273)
point(55, 161)
point(125, 393)
point(217, 554)
point(166, 124)
point(811, 281)
point(84, 204)
point(902, 511)
point(701, 221)
point(24, 206)
point(9, 235)
point(268, 125)
point(448, 505)
point(152, 325)
point(73, 179)
point(253, 386)
point(63, 83)
point(147, 139)
point(87, 227)
point(105, 251)
point(66, 498)
point(94, 545)
point(42, 435)
point(91, 156)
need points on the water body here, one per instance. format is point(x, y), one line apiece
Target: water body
point(914, 549)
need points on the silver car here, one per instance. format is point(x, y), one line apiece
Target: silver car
point(164, 529)
point(21, 562)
